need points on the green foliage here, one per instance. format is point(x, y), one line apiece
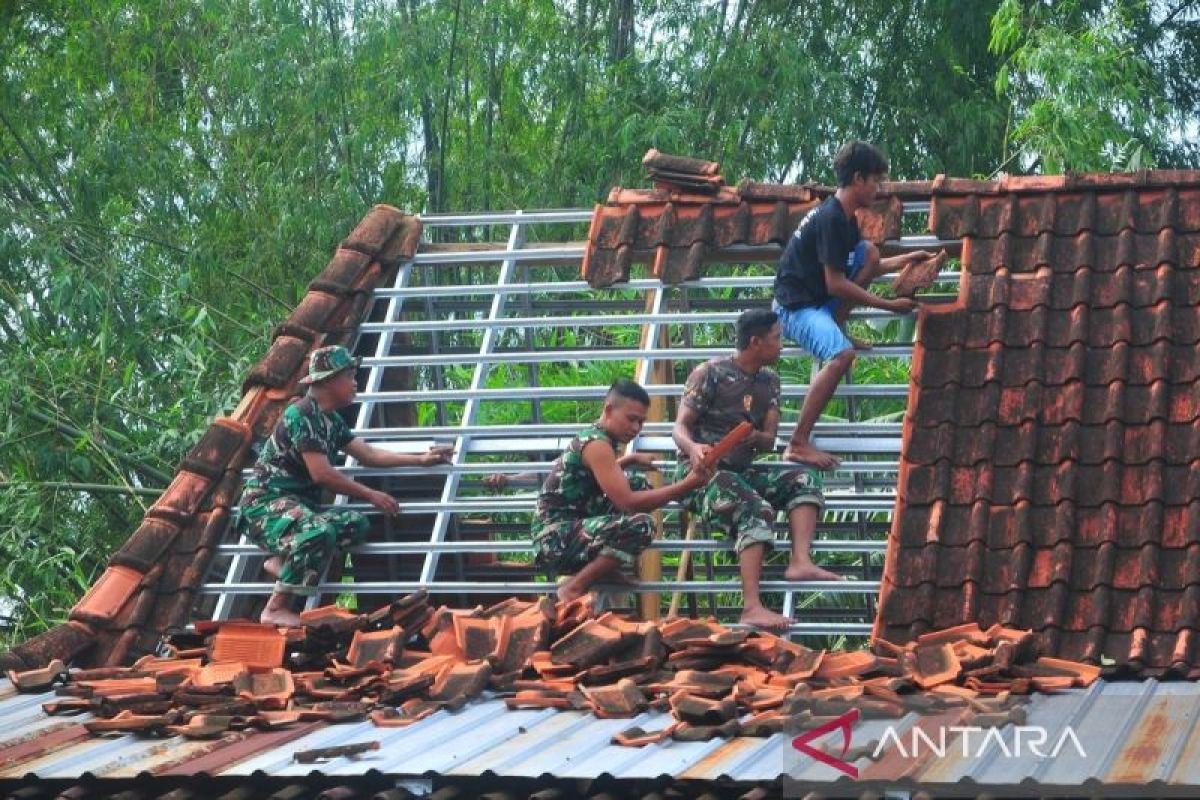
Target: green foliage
point(1083, 97)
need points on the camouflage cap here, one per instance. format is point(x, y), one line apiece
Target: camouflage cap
point(325, 362)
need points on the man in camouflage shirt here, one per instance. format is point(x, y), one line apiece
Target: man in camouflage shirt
point(280, 502)
point(591, 515)
point(743, 498)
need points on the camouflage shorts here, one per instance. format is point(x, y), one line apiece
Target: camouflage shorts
point(565, 546)
point(745, 504)
point(304, 538)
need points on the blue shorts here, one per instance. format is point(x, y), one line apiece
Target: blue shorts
point(814, 327)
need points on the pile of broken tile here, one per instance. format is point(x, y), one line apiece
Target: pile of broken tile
point(407, 660)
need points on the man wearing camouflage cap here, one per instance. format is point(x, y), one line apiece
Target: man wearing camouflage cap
point(280, 503)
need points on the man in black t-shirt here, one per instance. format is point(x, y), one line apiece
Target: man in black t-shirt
point(824, 272)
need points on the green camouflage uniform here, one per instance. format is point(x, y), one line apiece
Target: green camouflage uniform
point(742, 499)
point(575, 520)
point(279, 507)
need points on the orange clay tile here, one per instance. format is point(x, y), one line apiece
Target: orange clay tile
point(108, 595)
point(382, 647)
point(967, 632)
point(166, 666)
point(852, 692)
point(636, 737)
point(39, 680)
point(218, 673)
point(325, 615)
point(269, 690)
point(1086, 673)
point(253, 644)
point(841, 665)
point(126, 722)
point(624, 699)
point(933, 665)
point(1052, 684)
point(919, 275)
point(120, 686)
point(476, 638)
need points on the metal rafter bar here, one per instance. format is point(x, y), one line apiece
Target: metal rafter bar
point(550, 356)
point(512, 467)
point(870, 503)
point(581, 287)
point(884, 390)
point(538, 587)
point(829, 429)
point(526, 546)
point(462, 446)
point(580, 321)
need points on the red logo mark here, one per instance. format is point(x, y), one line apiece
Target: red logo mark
point(843, 723)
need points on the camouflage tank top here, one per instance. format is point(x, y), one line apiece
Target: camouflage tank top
point(570, 490)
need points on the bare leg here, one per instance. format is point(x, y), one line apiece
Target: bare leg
point(800, 448)
point(278, 611)
point(803, 522)
point(598, 569)
point(750, 562)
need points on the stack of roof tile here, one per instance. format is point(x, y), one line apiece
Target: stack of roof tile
point(690, 214)
point(151, 582)
point(401, 663)
point(1050, 476)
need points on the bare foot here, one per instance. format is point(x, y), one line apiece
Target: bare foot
point(763, 617)
point(280, 616)
point(273, 566)
point(809, 572)
point(807, 454)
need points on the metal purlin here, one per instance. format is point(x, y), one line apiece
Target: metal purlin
point(508, 268)
point(471, 437)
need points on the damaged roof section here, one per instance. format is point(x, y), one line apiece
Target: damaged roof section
point(407, 661)
point(1050, 476)
point(691, 213)
point(152, 581)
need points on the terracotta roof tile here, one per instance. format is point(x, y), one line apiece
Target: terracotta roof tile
point(252, 644)
point(1049, 465)
point(690, 215)
point(381, 647)
point(108, 595)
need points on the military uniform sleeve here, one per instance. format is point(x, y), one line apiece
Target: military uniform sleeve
point(775, 389)
point(305, 436)
point(698, 391)
point(341, 433)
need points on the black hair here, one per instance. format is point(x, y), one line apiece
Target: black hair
point(630, 390)
point(858, 158)
point(755, 322)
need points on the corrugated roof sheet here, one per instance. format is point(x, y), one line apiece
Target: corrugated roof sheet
point(1137, 738)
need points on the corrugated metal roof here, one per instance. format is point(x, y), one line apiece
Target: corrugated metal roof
point(1132, 734)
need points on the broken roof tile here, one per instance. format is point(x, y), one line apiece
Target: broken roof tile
point(622, 699)
point(585, 646)
point(380, 647)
